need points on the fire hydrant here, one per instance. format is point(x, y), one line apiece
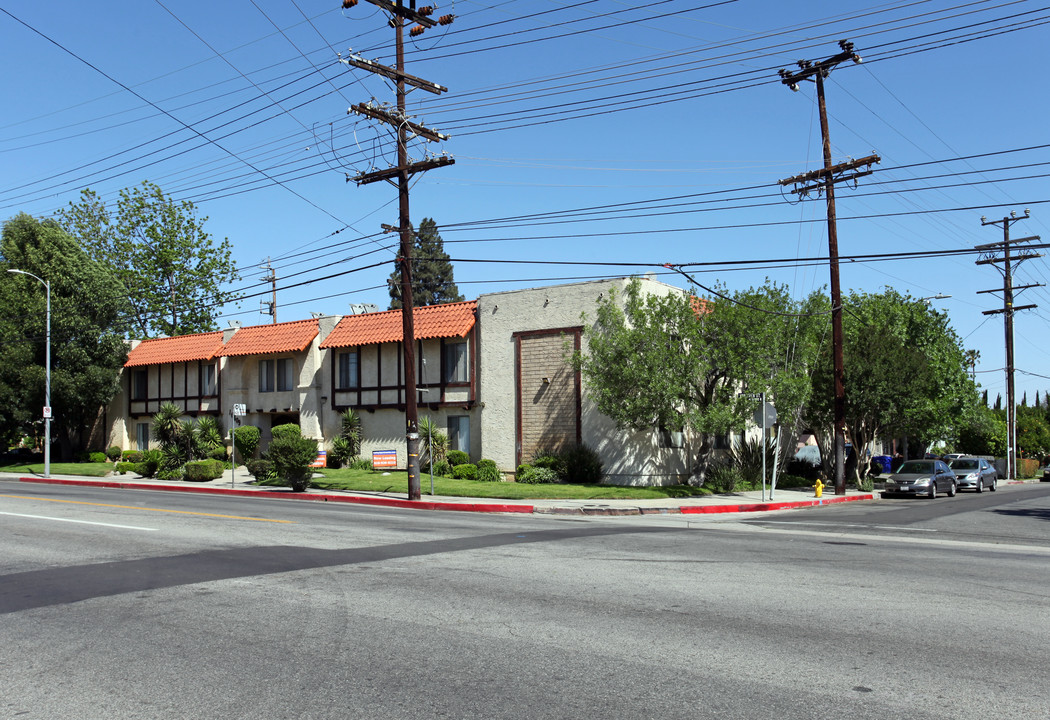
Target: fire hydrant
point(819, 487)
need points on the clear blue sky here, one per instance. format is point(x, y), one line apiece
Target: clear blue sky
point(655, 132)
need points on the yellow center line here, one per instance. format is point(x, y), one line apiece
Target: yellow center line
point(135, 507)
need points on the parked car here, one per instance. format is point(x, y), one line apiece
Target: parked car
point(975, 473)
point(921, 477)
point(1046, 474)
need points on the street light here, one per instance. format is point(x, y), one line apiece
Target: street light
point(47, 376)
point(938, 296)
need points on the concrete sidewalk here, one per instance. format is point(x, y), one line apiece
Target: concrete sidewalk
point(242, 484)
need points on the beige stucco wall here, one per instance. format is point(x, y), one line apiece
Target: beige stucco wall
point(628, 457)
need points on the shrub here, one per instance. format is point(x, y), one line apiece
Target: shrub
point(466, 471)
point(442, 468)
point(175, 474)
point(202, 470)
point(350, 430)
point(260, 469)
point(723, 478)
point(524, 473)
point(132, 456)
point(113, 453)
point(433, 444)
point(97, 457)
point(173, 457)
point(488, 471)
point(150, 463)
point(291, 455)
point(218, 453)
point(142, 469)
point(361, 464)
point(341, 452)
point(581, 465)
point(246, 441)
point(550, 459)
point(286, 430)
point(123, 467)
point(535, 475)
point(457, 457)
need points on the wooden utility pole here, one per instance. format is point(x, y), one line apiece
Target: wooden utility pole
point(404, 170)
point(824, 180)
point(271, 277)
point(1009, 262)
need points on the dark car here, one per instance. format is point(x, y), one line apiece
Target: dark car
point(975, 473)
point(921, 477)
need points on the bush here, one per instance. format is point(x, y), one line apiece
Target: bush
point(488, 471)
point(97, 457)
point(202, 470)
point(132, 456)
point(246, 442)
point(723, 479)
point(123, 467)
point(175, 474)
point(551, 460)
point(442, 468)
point(260, 469)
point(149, 464)
point(292, 455)
point(341, 452)
point(457, 457)
point(466, 471)
point(113, 453)
point(581, 465)
point(535, 475)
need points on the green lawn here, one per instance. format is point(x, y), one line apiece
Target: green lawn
point(372, 481)
point(89, 469)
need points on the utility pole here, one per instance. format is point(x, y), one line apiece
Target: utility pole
point(271, 277)
point(1009, 262)
point(824, 180)
point(406, 129)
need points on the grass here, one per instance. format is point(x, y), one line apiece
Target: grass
point(60, 468)
point(373, 481)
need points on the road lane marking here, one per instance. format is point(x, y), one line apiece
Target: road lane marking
point(82, 522)
point(136, 507)
point(855, 525)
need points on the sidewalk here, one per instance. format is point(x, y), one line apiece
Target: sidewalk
point(242, 485)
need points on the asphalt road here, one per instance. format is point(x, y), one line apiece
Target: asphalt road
point(124, 604)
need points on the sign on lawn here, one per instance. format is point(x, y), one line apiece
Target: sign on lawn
point(384, 459)
point(321, 460)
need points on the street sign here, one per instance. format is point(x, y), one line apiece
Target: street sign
point(770, 415)
point(239, 410)
point(47, 411)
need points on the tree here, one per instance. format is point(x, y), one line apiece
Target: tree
point(905, 374)
point(673, 363)
point(432, 281)
point(171, 270)
point(985, 433)
point(86, 350)
point(1033, 433)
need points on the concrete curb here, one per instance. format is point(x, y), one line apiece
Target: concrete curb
point(758, 507)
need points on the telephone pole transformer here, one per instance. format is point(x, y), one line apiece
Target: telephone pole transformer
point(823, 180)
point(402, 172)
point(1008, 263)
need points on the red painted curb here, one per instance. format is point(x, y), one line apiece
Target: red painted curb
point(757, 507)
point(355, 499)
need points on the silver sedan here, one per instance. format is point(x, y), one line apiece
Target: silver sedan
point(921, 477)
point(974, 473)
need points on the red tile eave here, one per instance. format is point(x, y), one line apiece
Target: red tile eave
point(286, 337)
point(182, 348)
point(429, 322)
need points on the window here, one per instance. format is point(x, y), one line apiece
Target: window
point(208, 386)
point(349, 369)
point(276, 374)
point(459, 433)
point(142, 436)
point(456, 362)
point(671, 438)
point(723, 442)
point(139, 384)
point(285, 370)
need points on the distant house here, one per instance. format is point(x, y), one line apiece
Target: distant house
point(494, 373)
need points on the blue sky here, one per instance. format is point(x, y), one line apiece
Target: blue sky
point(655, 133)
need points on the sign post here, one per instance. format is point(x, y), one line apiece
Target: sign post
point(236, 412)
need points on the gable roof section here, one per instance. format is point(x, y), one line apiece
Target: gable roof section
point(430, 321)
point(184, 348)
point(270, 339)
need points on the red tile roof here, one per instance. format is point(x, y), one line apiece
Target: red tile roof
point(184, 348)
point(430, 321)
point(270, 339)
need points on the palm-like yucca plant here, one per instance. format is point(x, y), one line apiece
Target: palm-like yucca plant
point(167, 424)
point(351, 431)
point(433, 443)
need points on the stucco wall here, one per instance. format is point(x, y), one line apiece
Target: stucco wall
point(628, 457)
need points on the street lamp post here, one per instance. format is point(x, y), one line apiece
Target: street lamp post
point(47, 375)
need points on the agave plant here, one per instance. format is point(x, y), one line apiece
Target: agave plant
point(167, 424)
point(351, 431)
point(433, 443)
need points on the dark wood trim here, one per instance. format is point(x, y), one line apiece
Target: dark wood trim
point(577, 344)
point(517, 400)
point(552, 331)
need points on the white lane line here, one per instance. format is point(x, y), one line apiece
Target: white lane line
point(851, 525)
point(82, 522)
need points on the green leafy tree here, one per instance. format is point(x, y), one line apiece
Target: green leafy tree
point(86, 351)
point(172, 271)
point(432, 281)
point(1033, 433)
point(905, 374)
point(655, 361)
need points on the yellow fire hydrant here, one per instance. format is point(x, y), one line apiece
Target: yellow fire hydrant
point(819, 487)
